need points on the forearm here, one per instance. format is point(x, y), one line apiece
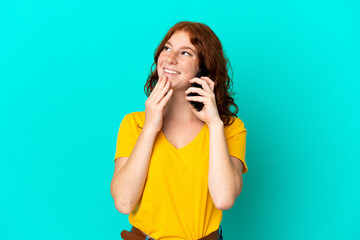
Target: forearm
point(127, 185)
point(223, 180)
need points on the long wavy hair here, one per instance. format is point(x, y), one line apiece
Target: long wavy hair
point(211, 56)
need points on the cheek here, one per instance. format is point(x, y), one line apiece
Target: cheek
point(161, 56)
point(193, 68)
point(160, 61)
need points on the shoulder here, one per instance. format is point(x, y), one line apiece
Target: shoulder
point(136, 118)
point(235, 122)
point(235, 125)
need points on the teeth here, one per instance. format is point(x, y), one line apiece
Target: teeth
point(169, 71)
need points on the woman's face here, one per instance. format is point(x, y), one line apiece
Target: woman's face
point(178, 60)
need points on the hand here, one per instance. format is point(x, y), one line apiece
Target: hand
point(155, 104)
point(209, 113)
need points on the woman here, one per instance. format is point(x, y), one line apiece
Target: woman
point(177, 168)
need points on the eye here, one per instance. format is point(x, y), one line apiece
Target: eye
point(165, 48)
point(186, 52)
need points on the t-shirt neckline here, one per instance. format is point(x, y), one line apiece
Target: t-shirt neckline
point(187, 145)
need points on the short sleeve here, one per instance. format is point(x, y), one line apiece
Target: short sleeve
point(127, 137)
point(236, 141)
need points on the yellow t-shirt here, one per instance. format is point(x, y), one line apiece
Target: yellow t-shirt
point(176, 202)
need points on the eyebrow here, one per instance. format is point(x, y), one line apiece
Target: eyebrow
point(182, 47)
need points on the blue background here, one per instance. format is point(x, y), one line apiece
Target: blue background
point(70, 71)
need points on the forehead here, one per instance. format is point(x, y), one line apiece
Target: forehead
point(180, 37)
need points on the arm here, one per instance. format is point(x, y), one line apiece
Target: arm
point(225, 171)
point(129, 177)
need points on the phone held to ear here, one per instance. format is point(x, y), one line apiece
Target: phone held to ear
point(198, 105)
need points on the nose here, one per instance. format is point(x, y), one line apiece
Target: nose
point(171, 58)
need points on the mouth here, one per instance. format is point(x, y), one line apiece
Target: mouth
point(170, 72)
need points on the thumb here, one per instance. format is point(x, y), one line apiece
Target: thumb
point(193, 109)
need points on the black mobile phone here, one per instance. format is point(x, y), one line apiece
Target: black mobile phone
point(198, 105)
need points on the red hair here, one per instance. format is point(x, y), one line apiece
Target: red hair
point(211, 56)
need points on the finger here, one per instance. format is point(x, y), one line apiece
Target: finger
point(210, 82)
point(193, 109)
point(200, 91)
point(153, 92)
point(158, 83)
point(161, 86)
point(165, 99)
point(202, 82)
point(162, 92)
point(196, 99)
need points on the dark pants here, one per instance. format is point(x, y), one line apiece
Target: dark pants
point(138, 234)
point(220, 233)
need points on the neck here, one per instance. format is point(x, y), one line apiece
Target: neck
point(178, 109)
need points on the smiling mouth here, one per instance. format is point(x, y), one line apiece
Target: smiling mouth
point(172, 72)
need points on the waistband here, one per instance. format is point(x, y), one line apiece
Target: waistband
point(137, 234)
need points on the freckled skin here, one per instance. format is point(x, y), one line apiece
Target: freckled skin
point(180, 59)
